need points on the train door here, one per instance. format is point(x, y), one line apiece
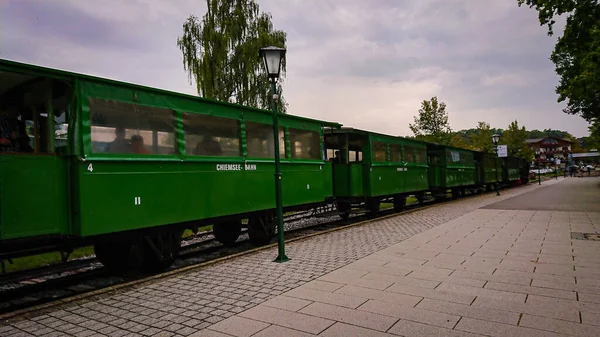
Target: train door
point(33, 169)
point(345, 151)
point(436, 171)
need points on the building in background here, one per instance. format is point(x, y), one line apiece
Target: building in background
point(548, 149)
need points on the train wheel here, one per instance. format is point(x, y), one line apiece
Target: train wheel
point(344, 207)
point(420, 197)
point(227, 232)
point(372, 208)
point(261, 229)
point(399, 203)
point(455, 194)
point(114, 255)
point(159, 251)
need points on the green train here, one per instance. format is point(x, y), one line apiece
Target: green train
point(127, 168)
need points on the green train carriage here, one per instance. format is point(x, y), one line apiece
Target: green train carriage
point(373, 167)
point(489, 170)
point(451, 168)
point(187, 162)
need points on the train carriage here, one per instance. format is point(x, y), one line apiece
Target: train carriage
point(372, 167)
point(489, 170)
point(129, 167)
point(511, 170)
point(451, 169)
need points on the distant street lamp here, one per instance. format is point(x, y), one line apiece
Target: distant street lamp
point(495, 140)
point(272, 57)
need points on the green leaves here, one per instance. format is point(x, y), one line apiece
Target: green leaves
point(221, 53)
point(516, 139)
point(576, 54)
point(432, 124)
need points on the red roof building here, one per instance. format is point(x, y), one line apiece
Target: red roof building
point(548, 149)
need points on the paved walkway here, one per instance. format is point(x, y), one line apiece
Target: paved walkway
point(471, 270)
point(491, 272)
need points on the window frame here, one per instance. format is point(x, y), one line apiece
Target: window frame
point(288, 141)
point(285, 149)
point(87, 133)
point(205, 158)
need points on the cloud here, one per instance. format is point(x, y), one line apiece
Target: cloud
point(366, 64)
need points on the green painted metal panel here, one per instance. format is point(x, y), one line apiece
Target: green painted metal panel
point(356, 181)
point(456, 177)
point(116, 196)
point(348, 180)
point(33, 195)
point(389, 180)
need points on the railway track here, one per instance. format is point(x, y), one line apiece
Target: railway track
point(35, 287)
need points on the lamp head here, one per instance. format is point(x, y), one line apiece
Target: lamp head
point(272, 57)
point(495, 139)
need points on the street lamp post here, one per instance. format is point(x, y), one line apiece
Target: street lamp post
point(272, 57)
point(495, 140)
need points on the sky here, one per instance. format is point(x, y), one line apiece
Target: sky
point(364, 64)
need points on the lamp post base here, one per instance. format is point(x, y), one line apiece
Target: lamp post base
point(281, 258)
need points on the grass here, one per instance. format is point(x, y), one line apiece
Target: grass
point(34, 261)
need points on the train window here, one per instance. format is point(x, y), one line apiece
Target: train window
point(33, 114)
point(467, 159)
point(420, 155)
point(355, 156)
point(409, 153)
point(259, 140)
point(395, 152)
point(379, 152)
point(211, 136)
point(126, 128)
point(452, 157)
point(304, 144)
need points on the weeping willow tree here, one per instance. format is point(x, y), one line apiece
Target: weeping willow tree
point(221, 53)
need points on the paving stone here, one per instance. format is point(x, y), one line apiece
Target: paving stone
point(409, 313)
point(447, 279)
point(380, 295)
point(481, 292)
point(345, 315)
point(591, 319)
point(239, 326)
point(326, 297)
point(209, 333)
point(487, 314)
point(276, 331)
point(345, 330)
point(558, 326)
point(571, 295)
point(558, 312)
point(428, 293)
point(500, 330)
point(288, 319)
point(415, 329)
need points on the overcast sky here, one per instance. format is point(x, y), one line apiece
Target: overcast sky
point(365, 64)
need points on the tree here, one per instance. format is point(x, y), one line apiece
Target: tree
point(516, 140)
point(432, 124)
point(458, 140)
point(221, 53)
point(576, 54)
point(481, 139)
